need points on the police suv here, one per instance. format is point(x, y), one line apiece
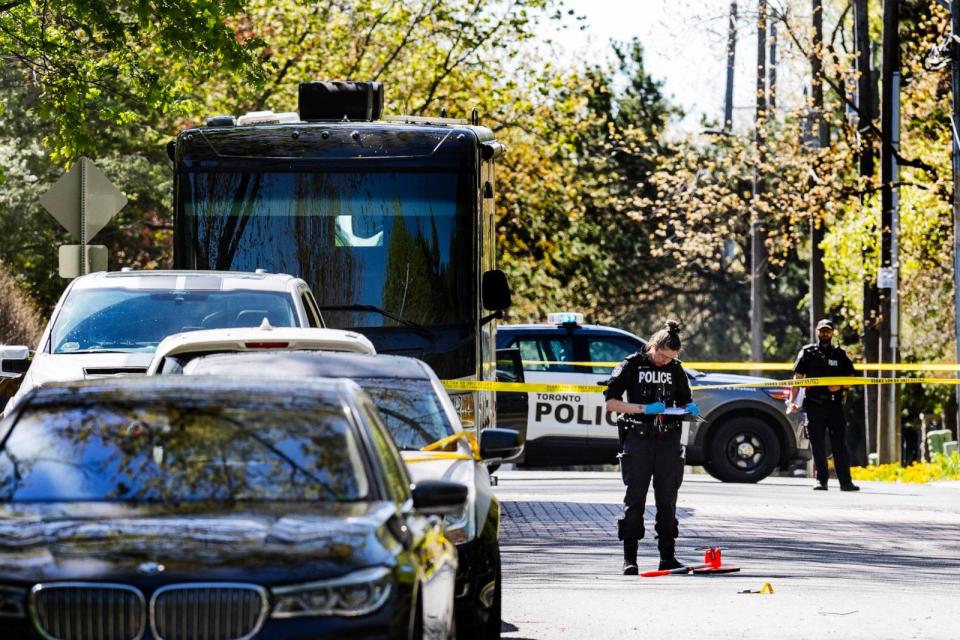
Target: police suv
point(746, 435)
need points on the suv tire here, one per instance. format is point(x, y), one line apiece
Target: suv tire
point(744, 449)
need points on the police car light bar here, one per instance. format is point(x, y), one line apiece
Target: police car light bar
point(565, 317)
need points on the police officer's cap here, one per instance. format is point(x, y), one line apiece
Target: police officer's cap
point(825, 324)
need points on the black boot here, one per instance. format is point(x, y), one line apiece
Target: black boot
point(630, 557)
point(669, 563)
point(667, 547)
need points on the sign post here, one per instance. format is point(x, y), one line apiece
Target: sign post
point(83, 200)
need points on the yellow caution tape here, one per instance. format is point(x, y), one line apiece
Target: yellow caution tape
point(469, 436)
point(536, 387)
point(834, 381)
point(765, 366)
point(440, 455)
point(524, 387)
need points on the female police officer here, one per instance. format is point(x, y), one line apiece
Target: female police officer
point(653, 380)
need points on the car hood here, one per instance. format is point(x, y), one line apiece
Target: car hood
point(65, 367)
point(438, 465)
point(268, 544)
point(61, 367)
point(729, 378)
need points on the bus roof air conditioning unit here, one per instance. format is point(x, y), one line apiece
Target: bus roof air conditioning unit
point(341, 100)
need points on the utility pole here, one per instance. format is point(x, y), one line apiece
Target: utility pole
point(888, 439)
point(731, 60)
point(955, 157)
point(822, 135)
point(758, 253)
point(772, 82)
point(866, 101)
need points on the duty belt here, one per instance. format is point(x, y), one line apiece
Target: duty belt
point(652, 426)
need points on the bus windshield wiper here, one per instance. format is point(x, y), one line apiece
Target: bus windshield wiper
point(387, 314)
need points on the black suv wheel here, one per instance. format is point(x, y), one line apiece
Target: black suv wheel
point(743, 450)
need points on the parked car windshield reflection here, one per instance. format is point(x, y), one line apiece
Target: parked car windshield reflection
point(165, 453)
point(410, 409)
point(137, 320)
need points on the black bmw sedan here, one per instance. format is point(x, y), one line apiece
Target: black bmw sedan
point(206, 509)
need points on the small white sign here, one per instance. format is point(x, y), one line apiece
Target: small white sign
point(886, 278)
point(70, 266)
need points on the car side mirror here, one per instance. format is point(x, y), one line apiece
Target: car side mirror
point(500, 445)
point(439, 497)
point(495, 291)
point(14, 361)
point(509, 365)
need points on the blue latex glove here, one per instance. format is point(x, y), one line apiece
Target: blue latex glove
point(693, 409)
point(654, 408)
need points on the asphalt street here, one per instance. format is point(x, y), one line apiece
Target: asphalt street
point(881, 563)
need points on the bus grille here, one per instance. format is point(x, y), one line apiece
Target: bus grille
point(208, 611)
point(89, 611)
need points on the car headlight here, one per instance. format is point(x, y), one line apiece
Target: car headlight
point(456, 526)
point(777, 393)
point(354, 594)
point(12, 602)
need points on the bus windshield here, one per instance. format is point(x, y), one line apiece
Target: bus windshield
point(398, 241)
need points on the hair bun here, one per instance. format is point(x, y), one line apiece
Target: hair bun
point(672, 326)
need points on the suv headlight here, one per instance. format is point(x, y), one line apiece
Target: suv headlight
point(12, 601)
point(354, 594)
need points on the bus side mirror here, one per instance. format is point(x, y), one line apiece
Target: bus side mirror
point(14, 361)
point(494, 291)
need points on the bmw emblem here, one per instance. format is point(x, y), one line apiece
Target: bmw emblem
point(150, 568)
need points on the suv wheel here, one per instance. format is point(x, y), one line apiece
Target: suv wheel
point(743, 450)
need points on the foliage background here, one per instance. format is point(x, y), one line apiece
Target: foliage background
point(602, 207)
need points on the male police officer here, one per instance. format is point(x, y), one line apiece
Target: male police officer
point(824, 405)
point(653, 380)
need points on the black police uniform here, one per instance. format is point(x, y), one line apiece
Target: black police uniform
point(824, 408)
point(651, 448)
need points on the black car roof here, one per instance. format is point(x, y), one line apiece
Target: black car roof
point(316, 363)
point(194, 390)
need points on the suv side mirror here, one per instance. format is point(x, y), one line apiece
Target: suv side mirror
point(500, 445)
point(495, 291)
point(439, 497)
point(14, 361)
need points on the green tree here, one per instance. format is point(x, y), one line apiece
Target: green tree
point(95, 64)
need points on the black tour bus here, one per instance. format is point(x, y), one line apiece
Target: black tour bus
point(390, 220)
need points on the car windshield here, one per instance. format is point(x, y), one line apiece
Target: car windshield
point(171, 453)
point(411, 410)
point(136, 320)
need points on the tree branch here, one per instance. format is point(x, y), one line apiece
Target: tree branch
point(837, 86)
point(11, 5)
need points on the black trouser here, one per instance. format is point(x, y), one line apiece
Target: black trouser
point(823, 417)
point(656, 456)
